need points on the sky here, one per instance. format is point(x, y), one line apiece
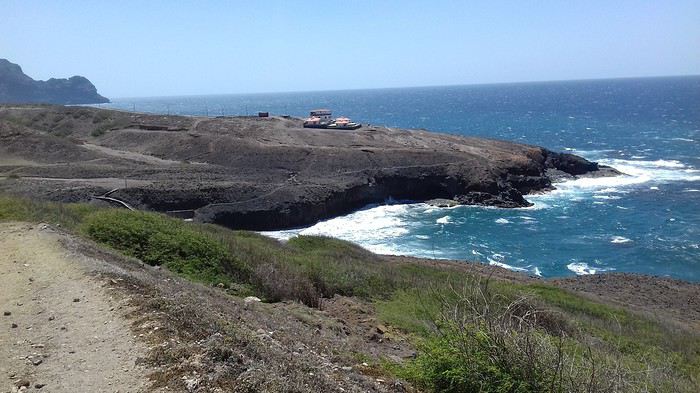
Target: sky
point(163, 48)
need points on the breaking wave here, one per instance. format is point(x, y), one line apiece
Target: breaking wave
point(582, 268)
point(619, 240)
point(635, 174)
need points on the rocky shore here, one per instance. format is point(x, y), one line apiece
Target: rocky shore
point(260, 173)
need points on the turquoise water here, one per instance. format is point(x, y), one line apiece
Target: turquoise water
point(646, 222)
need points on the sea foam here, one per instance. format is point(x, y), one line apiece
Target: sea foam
point(582, 268)
point(635, 173)
point(444, 220)
point(619, 240)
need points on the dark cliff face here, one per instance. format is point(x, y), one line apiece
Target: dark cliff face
point(502, 187)
point(17, 87)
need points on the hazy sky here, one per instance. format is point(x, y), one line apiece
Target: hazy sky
point(152, 48)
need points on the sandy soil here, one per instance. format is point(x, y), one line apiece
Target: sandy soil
point(64, 329)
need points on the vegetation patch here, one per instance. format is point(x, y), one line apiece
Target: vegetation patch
point(160, 240)
point(473, 334)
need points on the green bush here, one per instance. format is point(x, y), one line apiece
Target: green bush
point(474, 359)
point(160, 240)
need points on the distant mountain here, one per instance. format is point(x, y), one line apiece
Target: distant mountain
point(17, 87)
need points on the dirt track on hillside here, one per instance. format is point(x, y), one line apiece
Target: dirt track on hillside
point(64, 329)
point(198, 338)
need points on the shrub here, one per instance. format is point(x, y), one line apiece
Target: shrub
point(159, 240)
point(487, 339)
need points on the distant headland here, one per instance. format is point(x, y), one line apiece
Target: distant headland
point(17, 87)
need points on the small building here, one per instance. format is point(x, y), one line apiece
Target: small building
point(323, 114)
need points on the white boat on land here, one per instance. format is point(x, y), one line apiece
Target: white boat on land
point(343, 123)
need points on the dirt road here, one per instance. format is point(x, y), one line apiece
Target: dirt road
point(61, 330)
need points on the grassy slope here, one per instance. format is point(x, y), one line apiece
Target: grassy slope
point(473, 333)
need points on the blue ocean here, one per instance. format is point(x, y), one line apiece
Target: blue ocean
point(647, 221)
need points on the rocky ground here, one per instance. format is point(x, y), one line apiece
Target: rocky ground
point(62, 330)
point(259, 173)
point(80, 318)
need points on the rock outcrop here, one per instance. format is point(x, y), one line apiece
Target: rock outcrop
point(17, 87)
point(264, 173)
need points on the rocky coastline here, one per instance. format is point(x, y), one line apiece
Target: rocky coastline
point(261, 173)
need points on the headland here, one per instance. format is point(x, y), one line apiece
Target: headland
point(261, 173)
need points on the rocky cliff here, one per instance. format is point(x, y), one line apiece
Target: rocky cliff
point(262, 173)
point(17, 87)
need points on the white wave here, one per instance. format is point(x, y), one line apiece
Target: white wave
point(619, 240)
point(497, 259)
point(444, 220)
point(506, 266)
point(527, 218)
point(636, 172)
point(537, 271)
point(683, 139)
point(422, 237)
point(606, 197)
point(380, 224)
point(691, 190)
point(654, 188)
point(645, 164)
point(582, 268)
point(502, 221)
point(608, 190)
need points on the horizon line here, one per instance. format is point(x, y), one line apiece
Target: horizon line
point(413, 87)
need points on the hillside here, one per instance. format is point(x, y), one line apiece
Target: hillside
point(105, 299)
point(17, 87)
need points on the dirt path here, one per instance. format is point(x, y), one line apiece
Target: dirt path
point(130, 155)
point(64, 329)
